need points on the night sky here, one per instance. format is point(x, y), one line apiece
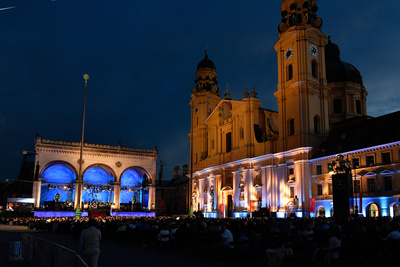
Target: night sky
point(142, 55)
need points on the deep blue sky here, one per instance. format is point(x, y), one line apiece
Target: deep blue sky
point(142, 55)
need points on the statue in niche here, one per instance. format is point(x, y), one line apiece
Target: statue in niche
point(241, 194)
point(241, 187)
point(57, 197)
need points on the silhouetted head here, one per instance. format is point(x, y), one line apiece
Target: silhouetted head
point(92, 222)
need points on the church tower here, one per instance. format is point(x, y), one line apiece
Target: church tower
point(303, 94)
point(205, 97)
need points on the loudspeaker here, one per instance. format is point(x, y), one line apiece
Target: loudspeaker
point(342, 188)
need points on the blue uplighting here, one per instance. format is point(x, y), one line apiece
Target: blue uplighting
point(126, 196)
point(49, 194)
point(130, 178)
point(94, 178)
point(58, 174)
point(54, 214)
point(53, 178)
point(92, 196)
point(240, 214)
point(97, 175)
point(134, 214)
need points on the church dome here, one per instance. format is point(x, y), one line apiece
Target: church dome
point(338, 70)
point(206, 63)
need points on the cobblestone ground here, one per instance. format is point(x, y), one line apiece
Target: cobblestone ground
point(123, 253)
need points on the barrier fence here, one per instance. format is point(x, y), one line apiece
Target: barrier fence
point(40, 252)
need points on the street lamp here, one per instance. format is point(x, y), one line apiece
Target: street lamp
point(342, 169)
point(341, 165)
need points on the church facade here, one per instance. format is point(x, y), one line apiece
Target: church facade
point(245, 157)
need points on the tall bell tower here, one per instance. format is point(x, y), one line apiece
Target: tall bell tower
point(303, 94)
point(205, 97)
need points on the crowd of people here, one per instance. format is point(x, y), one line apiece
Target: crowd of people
point(290, 241)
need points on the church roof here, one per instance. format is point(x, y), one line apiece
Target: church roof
point(338, 70)
point(206, 63)
point(361, 133)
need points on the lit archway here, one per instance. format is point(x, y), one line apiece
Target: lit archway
point(135, 188)
point(394, 210)
point(321, 212)
point(373, 210)
point(227, 201)
point(57, 180)
point(97, 185)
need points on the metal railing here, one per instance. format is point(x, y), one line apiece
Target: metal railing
point(40, 252)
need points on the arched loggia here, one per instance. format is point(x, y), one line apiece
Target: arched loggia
point(57, 180)
point(98, 185)
point(134, 189)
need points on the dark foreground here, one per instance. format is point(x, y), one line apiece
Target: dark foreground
point(117, 252)
point(289, 242)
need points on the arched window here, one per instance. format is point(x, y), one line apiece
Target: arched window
point(314, 68)
point(317, 125)
point(321, 212)
point(290, 72)
point(358, 106)
point(228, 142)
point(373, 210)
point(337, 106)
point(291, 127)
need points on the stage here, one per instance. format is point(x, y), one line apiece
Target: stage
point(53, 214)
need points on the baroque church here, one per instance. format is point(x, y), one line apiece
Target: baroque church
point(245, 158)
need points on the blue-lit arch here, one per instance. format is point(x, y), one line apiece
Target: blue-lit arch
point(98, 175)
point(131, 178)
point(58, 173)
point(134, 185)
point(97, 184)
point(57, 178)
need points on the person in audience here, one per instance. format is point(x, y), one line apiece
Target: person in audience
point(89, 244)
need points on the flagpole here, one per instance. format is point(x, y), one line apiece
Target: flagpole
point(78, 188)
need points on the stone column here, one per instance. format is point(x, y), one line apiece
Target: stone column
point(117, 195)
point(152, 192)
point(302, 174)
point(218, 194)
point(214, 193)
point(36, 191)
point(272, 190)
point(264, 192)
point(235, 190)
point(249, 188)
point(78, 194)
point(201, 193)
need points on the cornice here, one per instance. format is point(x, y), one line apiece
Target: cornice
point(354, 153)
point(108, 148)
point(94, 153)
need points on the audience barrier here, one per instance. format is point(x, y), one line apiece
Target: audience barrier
point(40, 252)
